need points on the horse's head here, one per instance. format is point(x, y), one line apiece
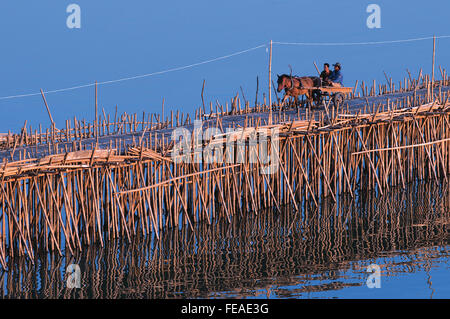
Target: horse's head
point(281, 82)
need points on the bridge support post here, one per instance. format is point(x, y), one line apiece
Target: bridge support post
point(270, 84)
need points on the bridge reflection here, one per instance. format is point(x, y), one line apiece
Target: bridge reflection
point(256, 255)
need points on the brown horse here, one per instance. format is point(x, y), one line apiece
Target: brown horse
point(295, 86)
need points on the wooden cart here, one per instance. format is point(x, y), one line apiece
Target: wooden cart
point(336, 94)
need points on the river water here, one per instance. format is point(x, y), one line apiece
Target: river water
point(323, 252)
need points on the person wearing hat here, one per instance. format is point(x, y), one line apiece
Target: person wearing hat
point(336, 77)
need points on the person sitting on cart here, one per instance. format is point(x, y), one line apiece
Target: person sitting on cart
point(336, 78)
point(325, 73)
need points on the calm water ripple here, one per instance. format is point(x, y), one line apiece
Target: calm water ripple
point(321, 253)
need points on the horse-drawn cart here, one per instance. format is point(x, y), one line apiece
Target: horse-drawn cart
point(313, 88)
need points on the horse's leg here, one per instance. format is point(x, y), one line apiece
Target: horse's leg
point(309, 95)
point(308, 99)
point(296, 102)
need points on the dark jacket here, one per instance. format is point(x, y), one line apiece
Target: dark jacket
point(336, 77)
point(324, 76)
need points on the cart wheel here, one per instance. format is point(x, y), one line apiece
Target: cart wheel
point(338, 99)
point(317, 97)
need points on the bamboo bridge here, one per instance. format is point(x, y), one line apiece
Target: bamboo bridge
point(123, 176)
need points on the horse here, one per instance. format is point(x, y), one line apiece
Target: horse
point(295, 86)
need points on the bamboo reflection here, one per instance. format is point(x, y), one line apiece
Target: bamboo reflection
point(255, 253)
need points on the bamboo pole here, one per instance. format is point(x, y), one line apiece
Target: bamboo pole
point(433, 64)
point(270, 83)
point(48, 109)
point(96, 112)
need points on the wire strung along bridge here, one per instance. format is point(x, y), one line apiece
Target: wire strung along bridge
point(121, 177)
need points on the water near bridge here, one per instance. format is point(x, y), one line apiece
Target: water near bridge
point(323, 252)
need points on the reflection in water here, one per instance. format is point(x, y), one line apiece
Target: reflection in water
point(271, 254)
